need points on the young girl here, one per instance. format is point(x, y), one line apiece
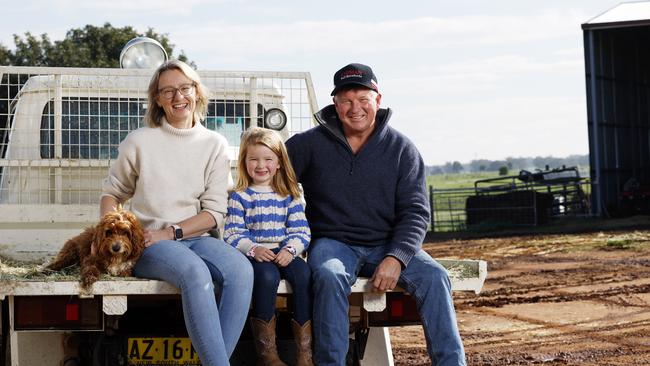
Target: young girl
point(266, 222)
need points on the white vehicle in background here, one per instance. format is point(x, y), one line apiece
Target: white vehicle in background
point(59, 132)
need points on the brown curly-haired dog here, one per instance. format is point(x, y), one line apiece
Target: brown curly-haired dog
point(112, 246)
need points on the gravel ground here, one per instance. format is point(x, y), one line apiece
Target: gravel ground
point(551, 299)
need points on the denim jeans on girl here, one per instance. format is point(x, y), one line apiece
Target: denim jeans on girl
point(265, 289)
point(195, 266)
point(335, 266)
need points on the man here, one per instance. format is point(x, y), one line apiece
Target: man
point(367, 207)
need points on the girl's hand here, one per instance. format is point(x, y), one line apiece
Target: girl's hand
point(151, 237)
point(283, 258)
point(263, 254)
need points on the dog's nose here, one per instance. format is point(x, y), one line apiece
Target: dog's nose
point(116, 247)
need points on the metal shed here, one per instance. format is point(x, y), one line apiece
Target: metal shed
point(617, 65)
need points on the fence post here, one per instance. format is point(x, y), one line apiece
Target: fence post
point(431, 207)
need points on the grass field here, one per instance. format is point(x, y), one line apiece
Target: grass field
point(466, 180)
point(461, 180)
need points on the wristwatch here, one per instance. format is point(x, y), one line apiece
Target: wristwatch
point(178, 232)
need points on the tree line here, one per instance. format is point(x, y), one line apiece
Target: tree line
point(510, 165)
point(90, 46)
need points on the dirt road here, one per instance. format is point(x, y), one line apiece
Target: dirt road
point(579, 299)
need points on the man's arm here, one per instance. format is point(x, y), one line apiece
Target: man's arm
point(411, 207)
point(412, 218)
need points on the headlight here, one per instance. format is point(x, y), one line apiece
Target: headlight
point(275, 119)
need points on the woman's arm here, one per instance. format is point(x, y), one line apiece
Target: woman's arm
point(196, 225)
point(107, 204)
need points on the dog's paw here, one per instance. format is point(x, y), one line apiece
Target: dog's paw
point(86, 292)
point(88, 277)
point(88, 281)
point(86, 286)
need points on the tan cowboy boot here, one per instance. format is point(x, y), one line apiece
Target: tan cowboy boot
point(302, 335)
point(264, 335)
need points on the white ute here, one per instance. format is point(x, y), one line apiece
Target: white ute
point(59, 132)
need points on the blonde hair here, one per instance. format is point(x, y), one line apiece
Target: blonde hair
point(155, 113)
point(284, 181)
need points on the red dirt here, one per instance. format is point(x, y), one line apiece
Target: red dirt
point(562, 299)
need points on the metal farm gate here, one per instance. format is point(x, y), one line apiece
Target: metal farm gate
point(526, 199)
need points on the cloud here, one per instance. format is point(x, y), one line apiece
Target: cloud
point(496, 129)
point(577, 52)
point(380, 37)
point(119, 7)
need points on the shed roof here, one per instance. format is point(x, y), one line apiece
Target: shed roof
point(627, 14)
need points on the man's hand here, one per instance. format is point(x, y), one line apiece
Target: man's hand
point(263, 254)
point(386, 275)
point(283, 258)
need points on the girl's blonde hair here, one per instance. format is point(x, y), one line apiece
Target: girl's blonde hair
point(155, 112)
point(284, 181)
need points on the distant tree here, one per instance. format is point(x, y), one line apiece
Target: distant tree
point(5, 55)
point(436, 170)
point(456, 167)
point(31, 51)
point(90, 46)
point(503, 170)
point(476, 164)
point(515, 164)
point(495, 165)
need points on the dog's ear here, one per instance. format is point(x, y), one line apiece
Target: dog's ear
point(98, 237)
point(137, 235)
point(137, 238)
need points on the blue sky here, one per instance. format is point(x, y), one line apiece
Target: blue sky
point(466, 79)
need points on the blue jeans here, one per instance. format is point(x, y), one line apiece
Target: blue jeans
point(265, 289)
point(193, 265)
point(335, 266)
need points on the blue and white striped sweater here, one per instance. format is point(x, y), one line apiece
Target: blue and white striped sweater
point(259, 216)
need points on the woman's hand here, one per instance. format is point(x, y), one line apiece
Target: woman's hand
point(263, 254)
point(151, 237)
point(283, 258)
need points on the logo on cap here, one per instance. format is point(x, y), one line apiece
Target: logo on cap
point(355, 74)
point(351, 74)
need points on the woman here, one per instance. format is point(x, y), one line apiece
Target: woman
point(176, 174)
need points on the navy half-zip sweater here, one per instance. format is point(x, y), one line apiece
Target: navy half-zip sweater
point(374, 197)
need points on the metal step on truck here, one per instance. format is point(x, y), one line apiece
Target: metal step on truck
point(59, 132)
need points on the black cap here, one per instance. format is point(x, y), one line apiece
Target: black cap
point(355, 74)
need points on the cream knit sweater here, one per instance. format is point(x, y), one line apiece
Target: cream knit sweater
point(171, 174)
